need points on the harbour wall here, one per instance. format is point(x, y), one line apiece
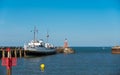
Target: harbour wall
point(116, 50)
point(20, 52)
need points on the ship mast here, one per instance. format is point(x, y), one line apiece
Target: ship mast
point(35, 30)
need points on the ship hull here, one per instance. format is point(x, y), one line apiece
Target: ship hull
point(39, 52)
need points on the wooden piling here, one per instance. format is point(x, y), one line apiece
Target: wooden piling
point(15, 53)
point(9, 72)
point(20, 51)
point(24, 53)
point(3, 53)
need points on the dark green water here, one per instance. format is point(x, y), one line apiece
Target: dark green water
point(86, 61)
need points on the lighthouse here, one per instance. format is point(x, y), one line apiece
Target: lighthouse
point(65, 49)
point(65, 43)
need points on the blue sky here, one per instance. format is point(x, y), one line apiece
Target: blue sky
point(82, 22)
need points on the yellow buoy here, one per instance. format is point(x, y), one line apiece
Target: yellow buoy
point(42, 67)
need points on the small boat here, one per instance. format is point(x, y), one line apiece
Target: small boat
point(39, 47)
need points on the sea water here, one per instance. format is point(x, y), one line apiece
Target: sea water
point(85, 61)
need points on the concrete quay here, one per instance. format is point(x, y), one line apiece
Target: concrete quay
point(116, 50)
point(66, 50)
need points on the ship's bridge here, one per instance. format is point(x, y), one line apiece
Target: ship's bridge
point(36, 43)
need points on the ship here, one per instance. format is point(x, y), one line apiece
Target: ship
point(39, 47)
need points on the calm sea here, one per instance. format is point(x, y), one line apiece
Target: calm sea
point(86, 61)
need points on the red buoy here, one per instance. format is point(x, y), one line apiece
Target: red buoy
point(9, 61)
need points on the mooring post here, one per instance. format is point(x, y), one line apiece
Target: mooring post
point(24, 53)
point(9, 72)
point(3, 53)
point(20, 53)
point(9, 61)
point(15, 53)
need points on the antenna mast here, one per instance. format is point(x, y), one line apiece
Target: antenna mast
point(47, 36)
